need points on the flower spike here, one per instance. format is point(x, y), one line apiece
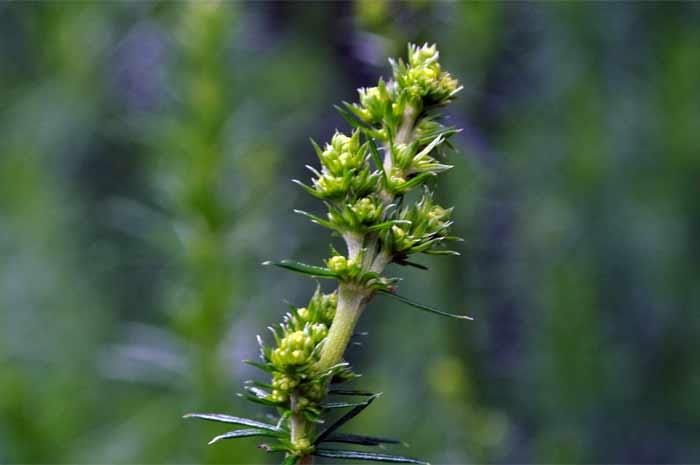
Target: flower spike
point(363, 178)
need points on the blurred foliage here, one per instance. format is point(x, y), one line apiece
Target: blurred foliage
point(132, 224)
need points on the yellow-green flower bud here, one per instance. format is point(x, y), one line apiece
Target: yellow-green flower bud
point(318, 332)
point(423, 77)
point(294, 349)
point(314, 391)
point(437, 215)
point(337, 264)
point(403, 156)
point(372, 101)
point(278, 396)
point(366, 210)
point(420, 56)
point(397, 180)
point(284, 382)
point(332, 186)
point(304, 313)
point(398, 233)
point(302, 446)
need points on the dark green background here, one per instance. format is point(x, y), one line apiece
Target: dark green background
point(145, 156)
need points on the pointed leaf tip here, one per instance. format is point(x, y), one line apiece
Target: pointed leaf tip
point(372, 456)
point(231, 419)
point(345, 418)
point(303, 268)
point(360, 439)
point(241, 433)
point(424, 307)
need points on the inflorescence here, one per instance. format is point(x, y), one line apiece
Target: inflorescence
point(364, 180)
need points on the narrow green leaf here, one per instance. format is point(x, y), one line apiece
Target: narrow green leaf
point(256, 391)
point(262, 366)
point(303, 268)
point(345, 418)
point(369, 275)
point(424, 307)
point(317, 149)
point(349, 118)
point(316, 219)
point(372, 456)
point(377, 160)
point(308, 189)
point(314, 171)
point(351, 392)
point(242, 433)
point(332, 405)
point(415, 181)
point(434, 143)
point(230, 419)
point(251, 382)
point(360, 439)
point(354, 110)
point(441, 252)
point(444, 132)
point(259, 400)
point(386, 225)
point(413, 264)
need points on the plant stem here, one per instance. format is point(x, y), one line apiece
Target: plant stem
point(351, 301)
point(299, 429)
point(298, 422)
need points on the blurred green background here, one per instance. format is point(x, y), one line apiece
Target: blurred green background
point(145, 156)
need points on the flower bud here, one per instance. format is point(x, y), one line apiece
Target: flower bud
point(278, 396)
point(284, 383)
point(342, 154)
point(337, 264)
point(318, 332)
point(314, 391)
point(372, 101)
point(423, 78)
point(304, 313)
point(403, 155)
point(294, 349)
point(421, 56)
point(331, 186)
point(302, 446)
point(366, 210)
point(436, 217)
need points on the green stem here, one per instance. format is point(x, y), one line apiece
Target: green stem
point(298, 424)
point(351, 301)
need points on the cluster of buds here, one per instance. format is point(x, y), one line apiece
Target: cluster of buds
point(321, 309)
point(342, 154)
point(413, 159)
point(375, 102)
point(426, 227)
point(291, 362)
point(356, 217)
point(345, 171)
point(347, 270)
point(423, 78)
point(367, 210)
point(294, 349)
